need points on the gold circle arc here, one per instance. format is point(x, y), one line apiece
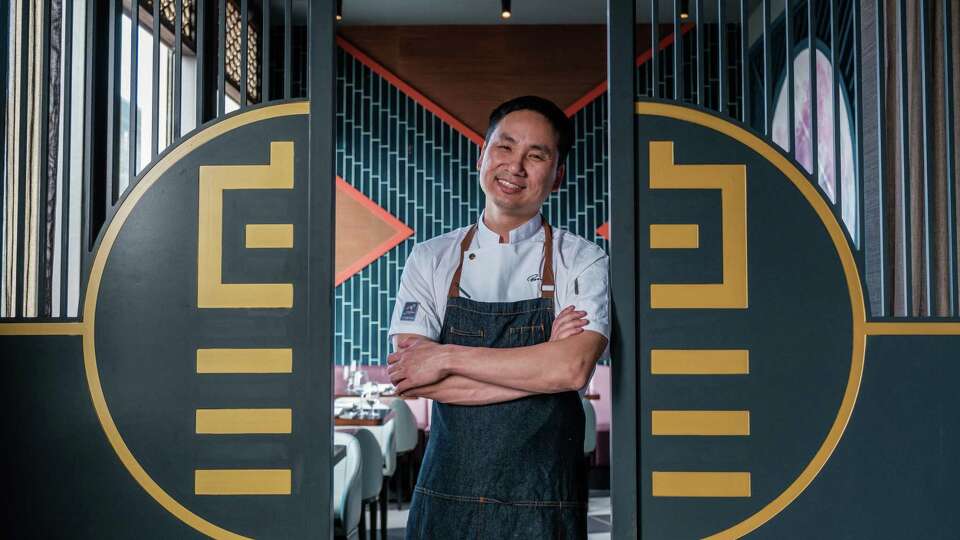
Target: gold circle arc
point(857, 303)
point(93, 289)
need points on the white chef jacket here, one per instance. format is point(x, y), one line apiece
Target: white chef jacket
point(495, 272)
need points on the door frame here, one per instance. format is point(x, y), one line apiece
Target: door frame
point(624, 267)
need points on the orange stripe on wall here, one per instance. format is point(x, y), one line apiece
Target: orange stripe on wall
point(410, 91)
point(455, 123)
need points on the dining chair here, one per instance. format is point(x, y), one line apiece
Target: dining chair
point(371, 478)
point(389, 449)
point(346, 488)
point(589, 427)
point(406, 435)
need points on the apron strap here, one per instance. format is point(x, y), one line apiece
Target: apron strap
point(547, 284)
point(454, 291)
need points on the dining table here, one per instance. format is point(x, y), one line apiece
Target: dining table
point(339, 395)
point(379, 418)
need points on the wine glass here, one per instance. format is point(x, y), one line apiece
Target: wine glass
point(355, 385)
point(368, 397)
point(373, 397)
point(346, 372)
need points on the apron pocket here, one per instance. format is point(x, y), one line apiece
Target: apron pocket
point(466, 333)
point(527, 334)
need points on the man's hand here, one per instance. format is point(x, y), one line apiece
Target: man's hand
point(569, 322)
point(417, 362)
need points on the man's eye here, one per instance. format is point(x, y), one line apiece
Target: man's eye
point(504, 147)
point(537, 157)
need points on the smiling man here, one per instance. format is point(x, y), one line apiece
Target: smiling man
point(501, 323)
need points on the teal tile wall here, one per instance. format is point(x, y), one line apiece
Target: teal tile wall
point(421, 170)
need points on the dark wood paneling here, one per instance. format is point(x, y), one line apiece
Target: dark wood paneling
point(469, 70)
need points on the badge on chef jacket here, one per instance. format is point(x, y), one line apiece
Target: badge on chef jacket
point(410, 311)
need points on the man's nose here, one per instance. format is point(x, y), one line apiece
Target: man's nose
point(515, 165)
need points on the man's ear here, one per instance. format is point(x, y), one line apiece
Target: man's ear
point(483, 147)
point(561, 173)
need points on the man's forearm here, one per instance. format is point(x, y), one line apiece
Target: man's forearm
point(459, 390)
point(554, 366)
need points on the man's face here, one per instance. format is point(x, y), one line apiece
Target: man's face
point(519, 166)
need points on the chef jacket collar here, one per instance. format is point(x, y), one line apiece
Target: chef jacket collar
point(486, 237)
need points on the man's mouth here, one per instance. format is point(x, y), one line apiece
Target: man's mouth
point(509, 186)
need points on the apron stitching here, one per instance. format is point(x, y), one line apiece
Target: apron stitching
point(523, 331)
point(498, 312)
point(489, 500)
point(466, 333)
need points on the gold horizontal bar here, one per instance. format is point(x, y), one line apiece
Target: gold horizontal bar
point(243, 421)
point(241, 482)
point(42, 329)
point(709, 423)
point(269, 235)
point(699, 362)
point(244, 360)
point(682, 236)
point(701, 484)
point(913, 328)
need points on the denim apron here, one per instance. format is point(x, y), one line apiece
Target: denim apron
point(506, 470)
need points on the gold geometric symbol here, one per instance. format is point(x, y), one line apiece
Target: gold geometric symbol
point(268, 236)
point(213, 293)
point(699, 362)
point(701, 484)
point(700, 423)
point(241, 482)
point(244, 361)
point(243, 421)
point(731, 180)
point(682, 236)
point(214, 180)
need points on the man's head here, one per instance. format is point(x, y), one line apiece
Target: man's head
point(523, 153)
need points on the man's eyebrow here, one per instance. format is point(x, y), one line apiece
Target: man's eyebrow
point(539, 147)
point(542, 148)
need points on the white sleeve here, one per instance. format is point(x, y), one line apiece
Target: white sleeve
point(416, 311)
point(590, 291)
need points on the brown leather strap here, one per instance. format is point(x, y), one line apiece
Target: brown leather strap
point(547, 284)
point(454, 291)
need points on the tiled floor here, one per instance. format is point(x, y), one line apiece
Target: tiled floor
point(598, 526)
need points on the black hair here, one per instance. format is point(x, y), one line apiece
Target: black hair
point(557, 118)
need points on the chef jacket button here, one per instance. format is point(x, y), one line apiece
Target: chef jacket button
point(473, 256)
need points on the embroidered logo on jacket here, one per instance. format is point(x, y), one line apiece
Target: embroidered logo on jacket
point(410, 311)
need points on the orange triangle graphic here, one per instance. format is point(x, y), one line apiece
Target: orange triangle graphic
point(604, 230)
point(364, 231)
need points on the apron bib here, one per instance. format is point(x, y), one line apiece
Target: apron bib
point(506, 470)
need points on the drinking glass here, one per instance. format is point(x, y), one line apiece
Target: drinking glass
point(355, 386)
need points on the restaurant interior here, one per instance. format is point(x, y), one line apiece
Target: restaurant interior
point(144, 95)
point(416, 83)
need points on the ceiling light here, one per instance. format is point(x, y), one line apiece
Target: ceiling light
point(505, 9)
point(684, 15)
point(339, 10)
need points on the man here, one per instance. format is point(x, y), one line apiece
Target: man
point(478, 328)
